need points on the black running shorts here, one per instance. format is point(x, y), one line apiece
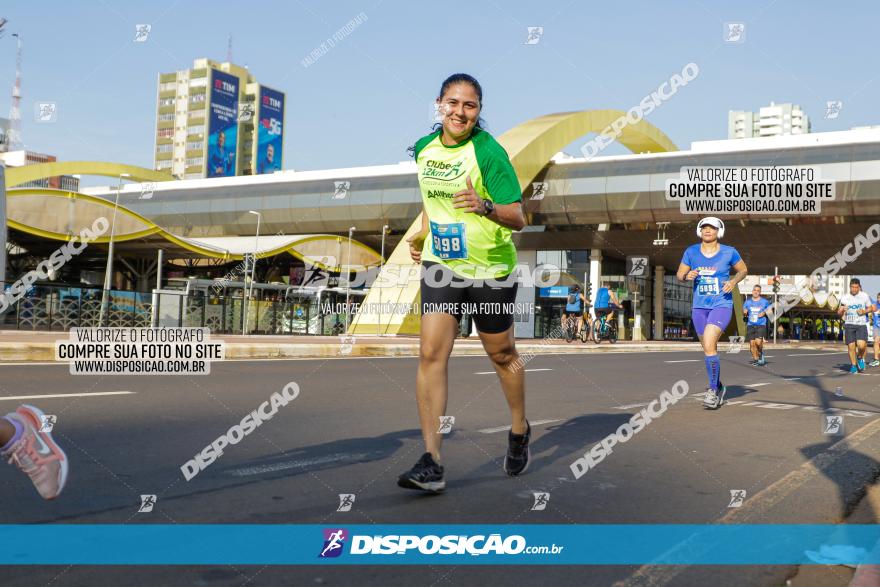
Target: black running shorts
point(853, 333)
point(756, 332)
point(491, 307)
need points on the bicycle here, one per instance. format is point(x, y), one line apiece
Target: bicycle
point(604, 330)
point(587, 329)
point(569, 328)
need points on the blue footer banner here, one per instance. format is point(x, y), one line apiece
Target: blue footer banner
point(528, 544)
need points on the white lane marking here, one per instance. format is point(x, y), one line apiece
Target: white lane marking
point(284, 465)
point(757, 384)
point(493, 372)
point(787, 406)
point(51, 395)
point(790, 378)
point(684, 361)
point(630, 406)
point(818, 354)
point(505, 428)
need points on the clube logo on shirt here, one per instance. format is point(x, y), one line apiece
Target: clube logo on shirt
point(442, 171)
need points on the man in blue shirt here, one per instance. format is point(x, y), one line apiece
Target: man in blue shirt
point(606, 303)
point(708, 264)
point(755, 309)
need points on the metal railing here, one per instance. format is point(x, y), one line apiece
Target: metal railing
point(54, 307)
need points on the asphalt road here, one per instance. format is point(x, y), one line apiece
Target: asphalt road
point(353, 429)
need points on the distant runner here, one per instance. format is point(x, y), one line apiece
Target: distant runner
point(876, 324)
point(755, 310)
point(855, 307)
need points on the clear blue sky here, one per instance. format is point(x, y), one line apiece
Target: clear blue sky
point(369, 97)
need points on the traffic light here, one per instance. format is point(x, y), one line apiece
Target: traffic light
point(775, 284)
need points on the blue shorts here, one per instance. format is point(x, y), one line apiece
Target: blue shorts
point(702, 317)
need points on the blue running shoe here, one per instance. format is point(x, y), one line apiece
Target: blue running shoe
point(861, 365)
point(853, 369)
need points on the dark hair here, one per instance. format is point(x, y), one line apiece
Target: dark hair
point(456, 78)
point(855, 280)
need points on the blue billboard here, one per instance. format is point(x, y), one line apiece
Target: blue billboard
point(269, 131)
point(222, 125)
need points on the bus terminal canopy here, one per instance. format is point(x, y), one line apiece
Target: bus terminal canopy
point(37, 216)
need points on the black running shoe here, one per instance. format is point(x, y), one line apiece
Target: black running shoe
point(517, 460)
point(426, 475)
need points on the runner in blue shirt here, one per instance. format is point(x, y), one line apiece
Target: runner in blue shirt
point(876, 325)
point(708, 265)
point(755, 310)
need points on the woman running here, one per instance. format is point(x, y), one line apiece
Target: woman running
point(472, 203)
point(26, 441)
point(708, 264)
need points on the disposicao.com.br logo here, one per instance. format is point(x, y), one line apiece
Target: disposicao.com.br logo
point(451, 544)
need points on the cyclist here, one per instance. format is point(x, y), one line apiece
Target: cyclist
point(574, 309)
point(855, 306)
point(708, 264)
point(25, 442)
point(876, 325)
point(472, 203)
point(606, 303)
point(755, 310)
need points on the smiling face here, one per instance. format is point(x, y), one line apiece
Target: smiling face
point(460, 108)
point(756, 292)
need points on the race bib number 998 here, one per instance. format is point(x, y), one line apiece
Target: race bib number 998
point(449, 241)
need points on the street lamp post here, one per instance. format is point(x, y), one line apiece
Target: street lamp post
point(108, 272)
point(249, 293)
point(348, 279)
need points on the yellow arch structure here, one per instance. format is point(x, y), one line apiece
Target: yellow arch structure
point(19, 175)
point(530, 146)
point(27, 210)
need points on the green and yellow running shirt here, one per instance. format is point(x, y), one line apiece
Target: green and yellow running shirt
point(471, 245)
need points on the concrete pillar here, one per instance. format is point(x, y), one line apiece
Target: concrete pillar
point(659, 273)
point(595, 275)
point(524, 325)
point(637, 317)
point(159, 262)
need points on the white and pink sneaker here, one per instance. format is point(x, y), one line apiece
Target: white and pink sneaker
point(36, 454)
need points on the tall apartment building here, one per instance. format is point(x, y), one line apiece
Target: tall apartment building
point(770, 121)
point(215, 120)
